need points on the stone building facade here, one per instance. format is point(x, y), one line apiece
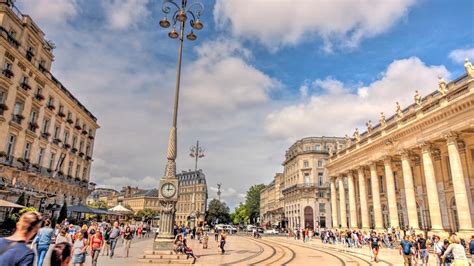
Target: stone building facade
point(192, 200)
point(271, 203)
point(414, 169)
point(46, 134)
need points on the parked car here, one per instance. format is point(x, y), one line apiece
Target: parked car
point(272, 231)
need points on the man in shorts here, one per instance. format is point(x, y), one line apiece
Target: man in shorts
point(374, 242)
point(422, 246)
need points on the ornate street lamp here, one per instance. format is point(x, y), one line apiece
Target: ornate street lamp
point(196, 152)
point(168, 187)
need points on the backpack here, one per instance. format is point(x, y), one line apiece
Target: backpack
point(106, 235)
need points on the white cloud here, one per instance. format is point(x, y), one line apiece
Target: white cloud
point(459, 55)
point(49, 12)
point(123, 14)
point(337, 109)
point(287, 22)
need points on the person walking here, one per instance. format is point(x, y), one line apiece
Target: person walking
point(128, 236)
point(405, 250)
point(13, 249)
point(114, 235)
point(438, 250)
point(205, 241)
point(458, 252)
point(61, 254)
point(106, 237)
point(43, 240)
point(222, 242)
point(423, 247)
point(96, 243)
point(375, 245)
point(63, 236)
point(79, 250)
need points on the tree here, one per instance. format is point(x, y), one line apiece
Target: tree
point(217, 211)
point(145, 214)
point(240, 215)
point(252, 201)
point(62, 213)
point(100, 204)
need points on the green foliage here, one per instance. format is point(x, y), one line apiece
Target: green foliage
point(27, 209)
point(62, 213)
point(145, 214)
point(252, 201)
point(240, 215)
point(101, 204)
point(217, 210)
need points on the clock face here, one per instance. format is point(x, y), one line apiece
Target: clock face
point(168, 190)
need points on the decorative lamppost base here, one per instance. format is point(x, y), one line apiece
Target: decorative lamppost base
point(163, 243)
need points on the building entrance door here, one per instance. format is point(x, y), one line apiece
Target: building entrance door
point(308, 217)
point(322, 222)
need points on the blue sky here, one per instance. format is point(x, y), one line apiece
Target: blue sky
point(259, 77)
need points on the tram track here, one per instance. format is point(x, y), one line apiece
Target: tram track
point(281, 257)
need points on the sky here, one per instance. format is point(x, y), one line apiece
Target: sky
point(260, 76)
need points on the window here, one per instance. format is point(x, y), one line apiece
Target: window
point(74, 141)
point(61, 109)
point(12, 33)
point(69, 167)
point(84, 171)
point(26, 152)
point(33, 116)
point(57, 131)
point(322, 207)
point(66, 137)
point(78, 169)
point(7, 66)
point(81, 145)
point(3, 96)
point(10, 145)
point(45, 128)
point(51, 101)
point(321, 194)
point(69, 115)
point(320, 179)
point(40, 156)
point(305, 164)
point(320, 163)
point(317, 147)
point(24, 80)
point(88, 148)
point(381, 184)
point(51, 160)
point(18, 108)
point(306, 178)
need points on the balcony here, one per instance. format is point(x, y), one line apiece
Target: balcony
point(25, 86)
point(45, 135)
point(91, 137)
point(74, 150)
point(39, 97)
point(88, 158)
point(81, 154)
point(3, 108)
point(78, 127)
point(32, 126)
point(69, 120)
point(56, 141)
point(8, 73)
point(17, 118)
point(61, 114)
point(84, 132)
point(67, 146)
point(51, 106)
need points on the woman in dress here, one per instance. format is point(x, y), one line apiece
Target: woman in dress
point(79, 250)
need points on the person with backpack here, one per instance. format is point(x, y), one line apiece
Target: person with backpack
point(96, 243)
point(106, 237)
point(405, 249)
point(457, 251)
point(438, 250)
point(374, 245)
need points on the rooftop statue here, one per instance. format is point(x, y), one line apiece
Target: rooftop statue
point(356, 134)
point(382, 120)
point(469, 68)
point(369, 126)
point(417, 98)
point(399, 111)
point(442, 86)
point(348, 141)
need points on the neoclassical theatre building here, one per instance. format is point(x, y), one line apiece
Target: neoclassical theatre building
point(46, 134)
point(414, 169)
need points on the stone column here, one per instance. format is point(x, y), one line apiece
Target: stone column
point(432, 190)
point(333, 203)
point(364, 210)
point(459, 185)
point(342, 202)
point(374, 181)
point(409, 191)
point(391, 194)
point(352, 201)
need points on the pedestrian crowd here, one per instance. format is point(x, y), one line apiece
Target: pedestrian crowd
point(68, 243)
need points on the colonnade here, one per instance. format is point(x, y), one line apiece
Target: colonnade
point(349, 218)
